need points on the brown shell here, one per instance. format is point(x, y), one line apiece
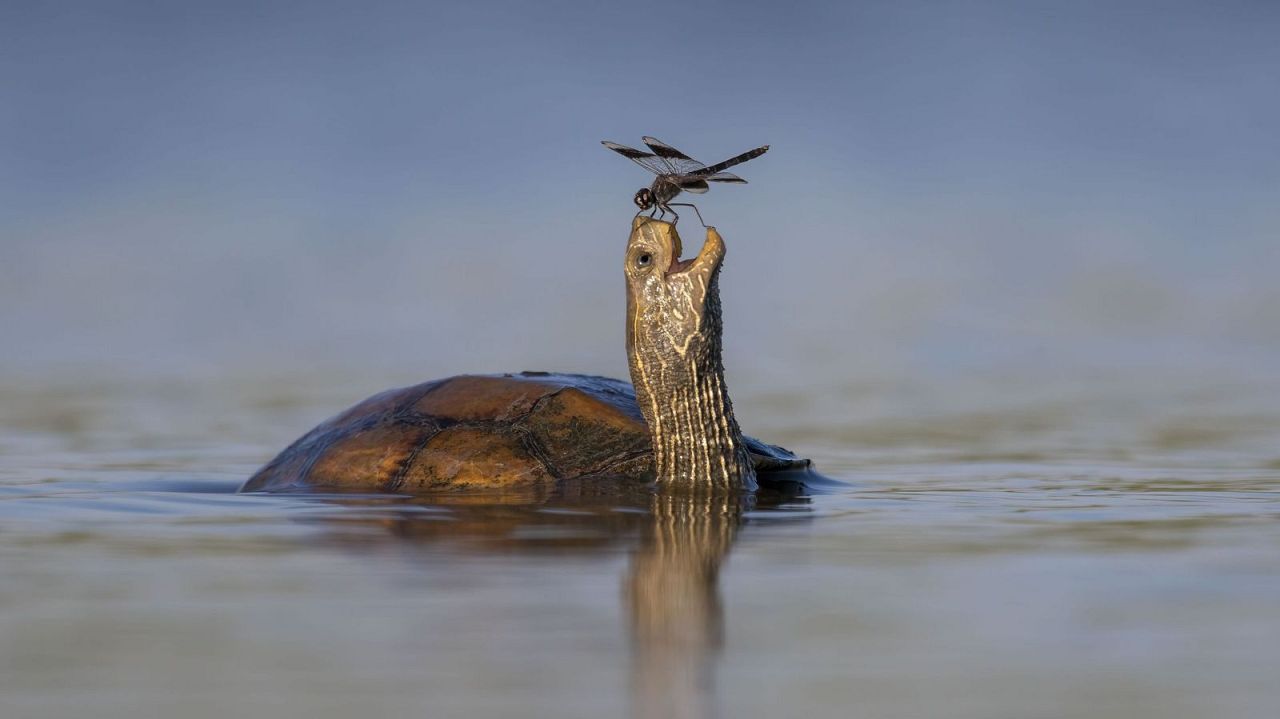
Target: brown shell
point(470, 432)
point(480, 432)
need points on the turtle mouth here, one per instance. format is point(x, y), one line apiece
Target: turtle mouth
point(709, 256)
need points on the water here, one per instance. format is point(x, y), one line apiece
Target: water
point(1004, 547)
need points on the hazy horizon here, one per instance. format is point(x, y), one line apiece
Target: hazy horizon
point(975, 187)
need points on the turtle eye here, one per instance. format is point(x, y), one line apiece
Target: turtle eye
point(644, 260)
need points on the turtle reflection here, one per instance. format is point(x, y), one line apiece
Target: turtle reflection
point(670, 591)
point(673, 593)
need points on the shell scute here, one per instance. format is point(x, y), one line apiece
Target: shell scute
point(472, 398)
point(465, 457)
point(383, 404)
point(368, 458)
point(585, 432)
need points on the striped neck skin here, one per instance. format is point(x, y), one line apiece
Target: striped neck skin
point(673, 347)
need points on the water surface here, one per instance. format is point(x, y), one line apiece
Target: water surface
point(1002, 548)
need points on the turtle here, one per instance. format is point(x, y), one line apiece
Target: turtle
point(672, 427)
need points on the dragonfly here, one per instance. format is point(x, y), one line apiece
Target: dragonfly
point(677, 172)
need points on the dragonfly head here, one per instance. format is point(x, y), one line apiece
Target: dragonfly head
point(643, 198)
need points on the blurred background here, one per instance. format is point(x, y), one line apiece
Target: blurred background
point(396, 191)
point(1009, 270)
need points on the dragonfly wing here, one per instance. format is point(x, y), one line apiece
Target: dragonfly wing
point(681, 164)
point(662, 149)
point(647, 160)
point(695, 185)
point(736, 160)
point(724, 177)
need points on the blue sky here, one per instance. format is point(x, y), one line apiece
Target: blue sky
point(950, 186)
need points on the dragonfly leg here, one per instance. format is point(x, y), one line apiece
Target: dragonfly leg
point(695, 211)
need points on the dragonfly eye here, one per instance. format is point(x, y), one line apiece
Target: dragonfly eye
point(643, 199)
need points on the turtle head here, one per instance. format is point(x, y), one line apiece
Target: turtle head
point(669, 300)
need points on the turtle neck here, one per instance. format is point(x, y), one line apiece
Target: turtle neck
point(674, 352)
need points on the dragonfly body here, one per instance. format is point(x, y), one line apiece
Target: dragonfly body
point(677, 172)
point(664, 189)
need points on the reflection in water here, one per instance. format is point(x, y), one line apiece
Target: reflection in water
point(677, 626)
point(671, 589)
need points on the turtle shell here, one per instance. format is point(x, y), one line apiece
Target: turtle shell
point(481, 432)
